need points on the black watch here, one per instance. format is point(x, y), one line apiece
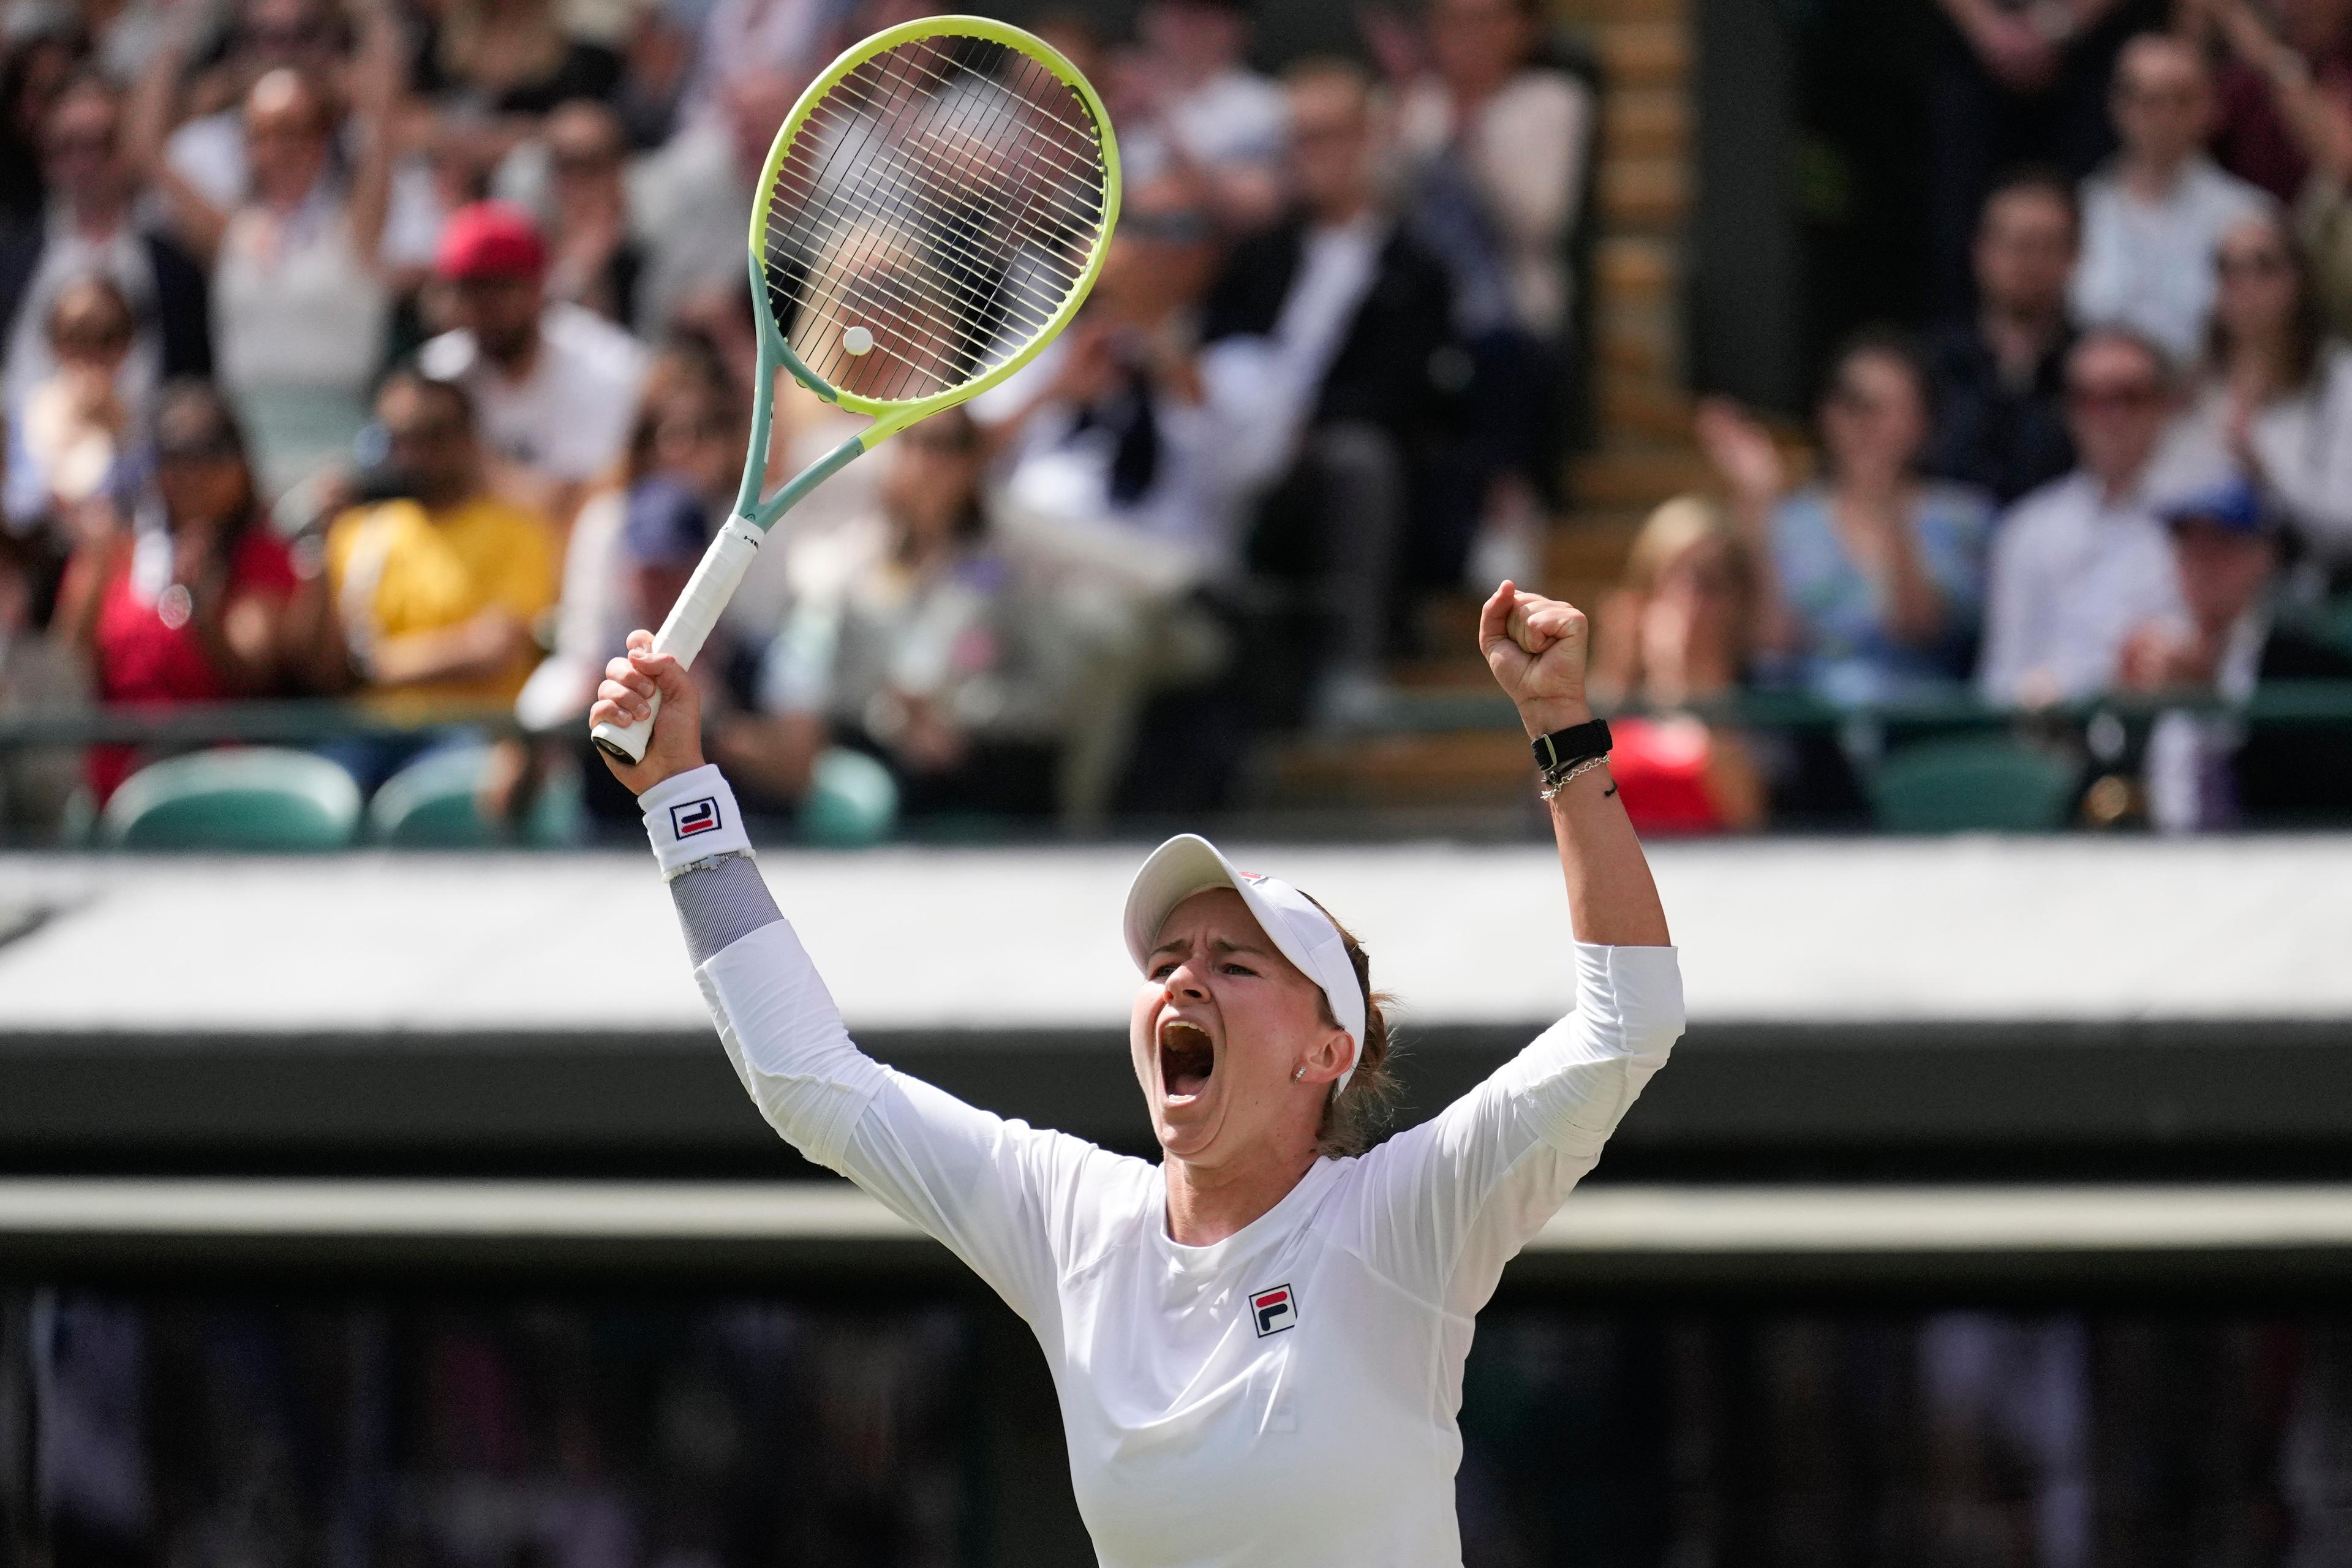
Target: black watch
point(1565, 748)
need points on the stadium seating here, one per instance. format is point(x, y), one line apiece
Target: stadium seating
point(852, 801)
point(432, 804)
point(1974, 784)
point(254, 798)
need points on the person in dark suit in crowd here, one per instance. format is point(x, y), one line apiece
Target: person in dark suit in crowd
point(90, 224)
point(1354, 321)
point(2001, 374)
point(2211, 771)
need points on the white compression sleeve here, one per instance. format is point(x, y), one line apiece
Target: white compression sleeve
point(718, 903)
point(786, 1040)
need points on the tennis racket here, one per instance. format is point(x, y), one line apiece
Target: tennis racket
point(932, 212)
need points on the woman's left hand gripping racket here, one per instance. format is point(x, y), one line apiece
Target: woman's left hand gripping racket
point(932, 212)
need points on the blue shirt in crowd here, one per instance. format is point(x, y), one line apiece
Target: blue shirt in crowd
point(1845, 653)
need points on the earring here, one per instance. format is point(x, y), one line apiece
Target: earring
point(1298, 1073)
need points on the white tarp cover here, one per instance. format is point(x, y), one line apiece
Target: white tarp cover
point(1801, 930)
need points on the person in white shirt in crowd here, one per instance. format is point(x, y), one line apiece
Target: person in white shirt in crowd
point(1258, 1341)
point(2152, 219)
point(1190, 98)
point(91, 225)
point(555, 383)
point(2080, 564)
point(2274, 403)
point(209, 149)
point(300, 301)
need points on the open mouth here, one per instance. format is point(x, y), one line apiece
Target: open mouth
point(1187, 1059)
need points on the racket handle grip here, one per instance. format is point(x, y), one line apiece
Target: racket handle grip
point(688, 626)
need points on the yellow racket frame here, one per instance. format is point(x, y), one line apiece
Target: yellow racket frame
point(698, 608)
point(891, 416)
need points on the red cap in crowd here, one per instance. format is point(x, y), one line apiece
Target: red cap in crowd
point(489, 239)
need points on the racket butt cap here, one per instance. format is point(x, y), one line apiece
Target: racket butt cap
point(622, 742)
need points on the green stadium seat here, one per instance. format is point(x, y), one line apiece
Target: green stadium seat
point(253, 798)
point(430, 804)
point(1973, 784)
point(852, 801)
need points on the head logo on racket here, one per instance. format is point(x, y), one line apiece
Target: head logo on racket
point(1274, 1310)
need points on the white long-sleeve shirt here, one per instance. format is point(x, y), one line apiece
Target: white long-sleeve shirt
point(1284, 1398)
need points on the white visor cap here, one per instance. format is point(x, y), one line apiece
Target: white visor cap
point(1189, 864)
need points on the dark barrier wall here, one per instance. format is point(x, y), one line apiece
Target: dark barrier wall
point(605, 1431)
point(2158, 1101)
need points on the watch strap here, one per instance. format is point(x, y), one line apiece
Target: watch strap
point(1565, 748)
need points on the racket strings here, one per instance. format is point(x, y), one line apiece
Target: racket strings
point(947, 197)
point(952, 246)
point(1080, 192)
point(1021, 107)
point(879, 171)
point(857, 278)
point(1011, 115)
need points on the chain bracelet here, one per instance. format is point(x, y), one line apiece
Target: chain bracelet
point(1555, 782)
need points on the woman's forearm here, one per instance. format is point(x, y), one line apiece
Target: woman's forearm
point(1613, 900)
point(1537, 648)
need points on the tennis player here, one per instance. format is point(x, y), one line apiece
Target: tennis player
point(1257, 1342)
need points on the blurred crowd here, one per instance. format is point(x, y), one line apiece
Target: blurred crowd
point(2124, 468)
point(1965, 1439)
point(404, 353)
point(209, 1432)
point(402, 350)
point(536, 1434)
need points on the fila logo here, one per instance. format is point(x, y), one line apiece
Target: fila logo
point(1274, 1310)
point(695, 816)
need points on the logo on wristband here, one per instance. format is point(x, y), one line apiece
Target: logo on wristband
point(695, 816)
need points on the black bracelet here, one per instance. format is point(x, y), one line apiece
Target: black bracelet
point(1564, 749)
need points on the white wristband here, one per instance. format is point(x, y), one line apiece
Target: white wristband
point(692, 818)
